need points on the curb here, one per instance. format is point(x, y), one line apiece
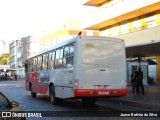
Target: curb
point(135, 104)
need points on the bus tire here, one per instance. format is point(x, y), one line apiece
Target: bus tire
point(33, 94)
point(52, 97)
point(89, 101)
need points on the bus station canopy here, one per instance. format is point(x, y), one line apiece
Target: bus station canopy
point(143, 50)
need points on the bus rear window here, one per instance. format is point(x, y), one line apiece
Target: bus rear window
point(101, 52)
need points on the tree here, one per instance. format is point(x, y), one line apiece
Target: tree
point(4, 59)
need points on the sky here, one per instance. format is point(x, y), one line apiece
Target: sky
point(21, 18)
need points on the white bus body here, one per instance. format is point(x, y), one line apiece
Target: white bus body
point(98, 70)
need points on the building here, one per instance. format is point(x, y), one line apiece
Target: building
point(135, 21)
point(13, 55)
point(16, 58)
point(61, 35)
point(20, 50)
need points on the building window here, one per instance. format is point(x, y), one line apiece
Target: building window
point(150, 21)
point(104, 33)
point(124, 28)
point(136, 25)
point(114, 31)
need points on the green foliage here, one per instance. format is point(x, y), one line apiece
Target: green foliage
point(4, 59)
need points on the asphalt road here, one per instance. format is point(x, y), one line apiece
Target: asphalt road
point(70, 109)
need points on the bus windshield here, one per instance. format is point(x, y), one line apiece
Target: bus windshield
point(101, 52)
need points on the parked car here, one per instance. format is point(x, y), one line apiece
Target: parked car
point(9, 106)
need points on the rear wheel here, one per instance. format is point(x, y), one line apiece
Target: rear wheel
point(89, 101)
point(52, 97)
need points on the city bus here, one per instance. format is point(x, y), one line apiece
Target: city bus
point(83, 67)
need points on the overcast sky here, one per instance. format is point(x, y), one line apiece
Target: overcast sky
point(20, 18)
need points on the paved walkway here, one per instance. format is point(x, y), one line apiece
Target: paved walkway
point(19, 82)
point(151, 99)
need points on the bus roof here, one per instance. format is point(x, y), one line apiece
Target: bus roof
point(70, 41)
point(54, 47)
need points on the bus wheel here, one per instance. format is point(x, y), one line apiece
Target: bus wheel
point(33, 94)
point(89, 101)
point(52, 97)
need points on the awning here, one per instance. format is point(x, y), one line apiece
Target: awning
point(150, 61)
point(143, 50)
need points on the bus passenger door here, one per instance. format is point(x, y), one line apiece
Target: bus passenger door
point(68, 82)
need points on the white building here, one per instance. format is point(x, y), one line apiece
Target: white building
point(20, 50)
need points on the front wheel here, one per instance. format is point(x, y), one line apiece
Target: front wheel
point(33, 94)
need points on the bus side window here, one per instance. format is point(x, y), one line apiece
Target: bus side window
point(61, 57)
point(39, 62)
point(32, 66)
point(47, 55)
point(45, 62)
point(58, 58)
point(35, 64)
point(53, 60)
point(72, 50)
point(68, 56)
point(50, 61)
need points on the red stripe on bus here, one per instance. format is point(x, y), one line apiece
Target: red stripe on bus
point(100, 92)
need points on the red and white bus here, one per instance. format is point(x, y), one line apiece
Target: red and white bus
point(85, 67)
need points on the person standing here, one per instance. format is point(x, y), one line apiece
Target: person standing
point(140, 79)
point(133, 82)
point(15, 76)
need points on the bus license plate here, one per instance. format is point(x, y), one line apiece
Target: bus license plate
point(103, 93)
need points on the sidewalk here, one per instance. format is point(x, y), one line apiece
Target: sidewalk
point(12, 82)
point(151, 99)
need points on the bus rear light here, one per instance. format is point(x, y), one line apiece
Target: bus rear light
point(75, 83)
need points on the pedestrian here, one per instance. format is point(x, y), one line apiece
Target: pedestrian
point(6, 77)
point(140, 79)
point(0, 76)
point(15, 76)
point(134, 83)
